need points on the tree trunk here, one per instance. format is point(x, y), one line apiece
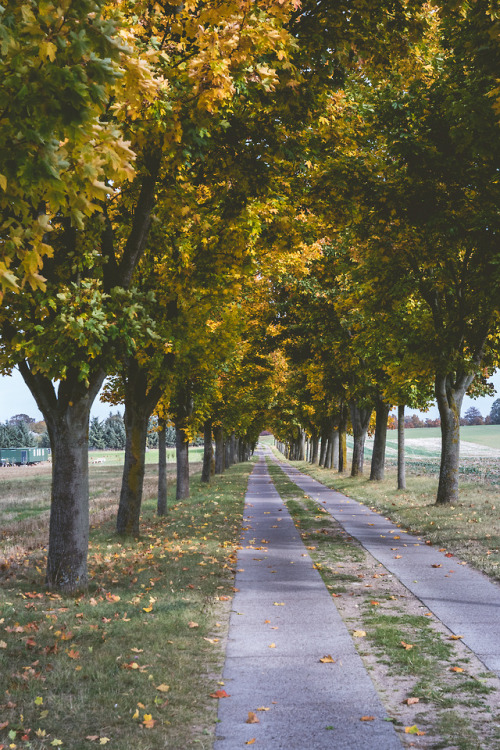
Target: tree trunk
point(69, 508)
point(140, 402)
point(314, 450)
point(378, 455)
point(449, 395)
point(343, 439)
point(334, 448)
point(207, 451)
point(162, 468)
point(324, 446)
point(67, 417)
point(219, 449)
point(136, 419)
point(360, 419)
point(182, 454)
point(401, 448)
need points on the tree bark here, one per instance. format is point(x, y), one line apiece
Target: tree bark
point(182, 454)
point(140, 401)
point(219, 449)
point(67, 417)
point(206, 472)
point(324, 446)
point(334, 448)
point(401, 448)
point(360, 419)
point(449, 395)
point(315, 446)
point(343, 439)
point(378, 455)
point(162, 468)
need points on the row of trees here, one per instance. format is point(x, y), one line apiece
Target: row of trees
point(243, 214)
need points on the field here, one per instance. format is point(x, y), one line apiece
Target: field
point(479, 451)
point(25, 495)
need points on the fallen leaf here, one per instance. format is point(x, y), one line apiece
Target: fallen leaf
point(163, 688)
point(327, 659)
point(137, 650)
point(266, 622)
point(411, 701)
point(456, 669)
point(4, 724)
point(3, 644)
point(407, 646)
point(73, 654)
point(367, 718)
point(272, 645)
point(135, 715)
point(436, 565)
point(39, 700)
point(414, 730)
point(279, 604)
point(55, 743)
point(220, 694)
point(455, 637)
point(263, 708)
point(112, 597)
point(192, 624)
point(252, 718)
point(104, 740)
point(147, 609)
point(250, 742)
point(397, 557)
point(359, 634)
point(374, 603)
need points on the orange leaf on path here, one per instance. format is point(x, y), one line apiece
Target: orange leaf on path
point(327, 659)
point(252, 718)
point(220, 694)
point(367, 718)
point(250, 742)
point(411, 701)
point(456, 669)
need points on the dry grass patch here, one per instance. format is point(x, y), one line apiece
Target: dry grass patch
point(134, 660)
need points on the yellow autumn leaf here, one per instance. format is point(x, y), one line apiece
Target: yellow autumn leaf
point(327, 659)
point(359, 633)
point(252, 718)
point(163, 688)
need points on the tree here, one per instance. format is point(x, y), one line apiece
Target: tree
point(97, 435)
point(495, 412)
point(473, 416)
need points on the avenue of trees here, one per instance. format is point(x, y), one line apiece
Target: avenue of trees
point(276, 214)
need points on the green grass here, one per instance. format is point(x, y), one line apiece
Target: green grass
point(136, 644)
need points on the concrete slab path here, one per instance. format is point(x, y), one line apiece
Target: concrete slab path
point(282, 623)
point(465, 600)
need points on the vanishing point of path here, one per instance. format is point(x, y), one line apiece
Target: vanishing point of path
point(283, 623)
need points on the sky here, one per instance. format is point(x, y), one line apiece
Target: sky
point(15, 398)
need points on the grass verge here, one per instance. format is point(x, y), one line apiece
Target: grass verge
point(132, 663)
point(470, 529)
point(409, 655)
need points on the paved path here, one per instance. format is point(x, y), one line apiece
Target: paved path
point(465, 600)
point(283, 622)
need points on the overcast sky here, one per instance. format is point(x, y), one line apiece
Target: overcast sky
point(15, 398)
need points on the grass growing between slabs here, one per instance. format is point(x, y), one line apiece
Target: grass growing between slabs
point(410, 655)
point(130, 664)
point(469, 530)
